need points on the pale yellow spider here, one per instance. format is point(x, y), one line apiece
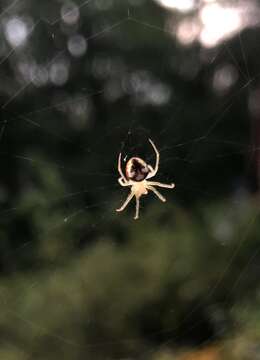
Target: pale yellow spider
point(136, 174)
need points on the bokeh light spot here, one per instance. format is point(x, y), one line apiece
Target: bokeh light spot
point(187, 31)
point(77, 45)
point(16, 31)
point(59, 72)
point(70, 13)
point(218, 22)
point(224, 78)
point(180, 5)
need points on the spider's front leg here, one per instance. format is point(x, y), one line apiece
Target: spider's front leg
point(119, 167)
point(155, 169)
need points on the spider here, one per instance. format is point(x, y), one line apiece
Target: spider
point(137, 172)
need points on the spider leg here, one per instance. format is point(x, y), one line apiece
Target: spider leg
point(159, 195)
point(155, 183)
point(120, 168)
point(157, 159)
point(128, 199)
point(122, 182)
point(137, 206)
point(151, 172)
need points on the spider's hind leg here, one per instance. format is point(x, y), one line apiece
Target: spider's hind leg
point(157, 193)
point(137, 207)
point(128, 199)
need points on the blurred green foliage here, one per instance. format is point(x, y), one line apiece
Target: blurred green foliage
point(170, 281)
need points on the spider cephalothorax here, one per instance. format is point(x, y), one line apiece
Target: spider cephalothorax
point(136, 174)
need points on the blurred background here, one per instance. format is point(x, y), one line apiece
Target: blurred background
point(82, 81)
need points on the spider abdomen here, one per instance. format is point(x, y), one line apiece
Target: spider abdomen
point(136, 169)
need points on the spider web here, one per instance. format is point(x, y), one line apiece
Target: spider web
point(83, 192)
